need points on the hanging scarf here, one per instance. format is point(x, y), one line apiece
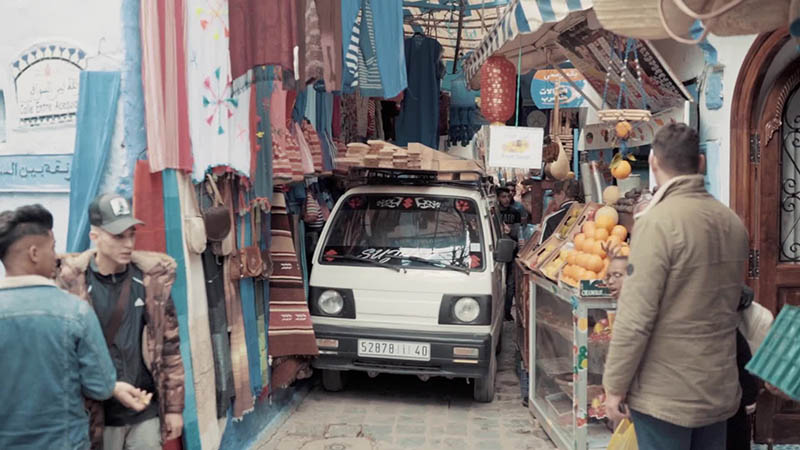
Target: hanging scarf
point(164, 81)
point(148, 206)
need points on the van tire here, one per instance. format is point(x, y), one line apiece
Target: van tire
point(332, 380)
point(483, 388)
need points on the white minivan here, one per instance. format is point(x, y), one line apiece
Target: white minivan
point(408, 278)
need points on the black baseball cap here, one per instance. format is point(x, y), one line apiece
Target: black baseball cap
point(112, 213)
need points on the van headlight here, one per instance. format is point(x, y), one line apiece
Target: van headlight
point(467, 309)
point(330, 302)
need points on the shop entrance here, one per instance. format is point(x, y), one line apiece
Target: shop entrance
point(765, 192)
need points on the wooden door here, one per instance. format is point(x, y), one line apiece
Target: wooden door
point(776, 261)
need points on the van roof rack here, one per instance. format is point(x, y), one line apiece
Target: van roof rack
point(358, 176)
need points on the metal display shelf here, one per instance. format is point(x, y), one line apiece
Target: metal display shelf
point(560, 361)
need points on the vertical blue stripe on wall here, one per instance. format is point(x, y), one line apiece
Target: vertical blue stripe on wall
point(574, 5)
point(174, 234)
point(131, 95)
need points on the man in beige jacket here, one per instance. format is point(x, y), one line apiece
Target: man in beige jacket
point(673, 352)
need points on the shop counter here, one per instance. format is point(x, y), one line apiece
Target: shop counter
point(568, 339)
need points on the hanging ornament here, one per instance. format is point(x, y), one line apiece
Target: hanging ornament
point(498, 90)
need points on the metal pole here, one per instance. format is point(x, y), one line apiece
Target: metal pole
point(458, 38)
point(575, 86)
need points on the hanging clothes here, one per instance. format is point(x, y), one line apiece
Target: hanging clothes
point(464, 116)
point(388, 114)
point(240, 149)
point(419, 117)
point(148, 206)
point(164, 82)
point(262, 184)
point(352, 54)
point(330, 25)
point(97, 112)
point(349, 118)
point(291, 334)
point(263, 32)
point(314, 62)
point(218, 327)
point(362, 116)
point(388, 25)
point(208, 77)
point(198, 320)
point(282, 167)
point(369, 74)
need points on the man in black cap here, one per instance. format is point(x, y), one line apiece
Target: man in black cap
point(129, 291)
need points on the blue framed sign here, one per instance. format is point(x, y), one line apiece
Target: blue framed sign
point(35, 173)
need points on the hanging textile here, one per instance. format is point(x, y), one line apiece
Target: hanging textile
point(369, 75)
point(330, 25)
point(388, 24)
point(419, 117)
point(148, 206)
point(324, 128)
point(279, 120)
point(244, 401)
point(388, 115)
point(262, 306)
point(290, 331)
point(240, 121)
point(336, 119)
point(362, 115)
point(247, 295)
point(97, 112)
point(164, 81)
point(313, 62)
point(263, 32)
point(262, 185)
point(198, 320)
point(211, 100)
point(218, 324)
point(180, 297)
point(352, 53)
point(349, 118)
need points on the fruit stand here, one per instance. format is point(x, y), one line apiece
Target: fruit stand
point(567, 322)
point(568, 337)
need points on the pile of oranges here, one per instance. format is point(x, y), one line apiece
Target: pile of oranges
point(588, 260)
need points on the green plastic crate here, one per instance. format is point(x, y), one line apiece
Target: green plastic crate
point(777, 361)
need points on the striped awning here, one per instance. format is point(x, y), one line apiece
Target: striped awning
point(520, 17)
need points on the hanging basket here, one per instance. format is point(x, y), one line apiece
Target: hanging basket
point(640, 19)
point(751, 17)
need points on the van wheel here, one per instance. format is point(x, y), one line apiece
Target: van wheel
point(483, 390)
point(332, 380)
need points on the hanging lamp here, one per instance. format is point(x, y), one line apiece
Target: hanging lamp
point(498, 90)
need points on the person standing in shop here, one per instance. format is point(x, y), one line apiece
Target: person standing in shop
point(130, 292)
point(565, 194)
point(53, 348)
point(672, 359)
point(314, 220)
point(511, 219)
point(512, 187)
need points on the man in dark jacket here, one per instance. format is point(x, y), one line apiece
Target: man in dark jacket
point(130, 292)
point(511, 220)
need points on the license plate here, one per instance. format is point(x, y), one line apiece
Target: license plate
point(416, 351)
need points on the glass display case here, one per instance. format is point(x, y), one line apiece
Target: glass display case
point(568, 337)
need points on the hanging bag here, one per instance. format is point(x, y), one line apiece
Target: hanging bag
point(193, 220)
point(217, 221)
point(247, 262)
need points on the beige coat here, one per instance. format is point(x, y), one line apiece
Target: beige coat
point(673, 349)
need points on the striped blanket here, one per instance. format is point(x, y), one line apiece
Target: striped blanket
point(290, 329)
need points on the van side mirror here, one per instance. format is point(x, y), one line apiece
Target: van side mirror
point(504, 252)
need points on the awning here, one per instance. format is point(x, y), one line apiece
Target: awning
point(528, 20)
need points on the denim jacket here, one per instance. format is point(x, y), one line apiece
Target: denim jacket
point(53, 354)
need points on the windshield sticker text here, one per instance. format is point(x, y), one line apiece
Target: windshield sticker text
point(380, 255)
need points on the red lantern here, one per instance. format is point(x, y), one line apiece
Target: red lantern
point(498, 89)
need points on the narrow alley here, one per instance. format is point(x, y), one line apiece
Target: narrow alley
point(402, 412)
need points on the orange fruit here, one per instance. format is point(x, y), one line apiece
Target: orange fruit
point(622, 170)
point(588, 245)
point(589, 228)
point(600, 234)
point(579, 239)
point(620, 231)
point(596, 263)
point(571, 256)
point(602, 274)
point(582, 260)
point(589, 275)
point(606, 217)
point(625, 251)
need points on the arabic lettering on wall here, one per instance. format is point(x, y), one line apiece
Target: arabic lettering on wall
point(47, 79)
point(35, 173)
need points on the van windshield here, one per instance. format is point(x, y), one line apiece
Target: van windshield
point(412, 231)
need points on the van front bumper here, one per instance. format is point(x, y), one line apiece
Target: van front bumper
point(443, 362)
